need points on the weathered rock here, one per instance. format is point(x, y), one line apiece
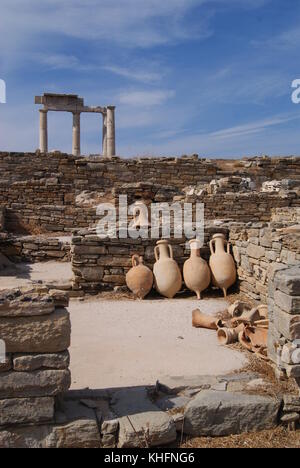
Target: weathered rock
point(39, 334)
point(6, 365)
point(291, 403)
point(18, 303)
point(32, 362)
point(255, 251)
point(141, 422)
point(288, 325)
point(26, 411)
point(80, 433)
point(288, 303)
point(288, 281)
point(34, 384)
point(92, 274)
point(213, 413)
point(60, 298)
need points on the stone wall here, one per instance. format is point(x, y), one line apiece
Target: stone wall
point(36, 248)
point(45, 193)
point(35, 327)
point(284, 315)
point(102, 264)
point(260, 249)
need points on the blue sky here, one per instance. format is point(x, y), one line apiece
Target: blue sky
point(211, 77)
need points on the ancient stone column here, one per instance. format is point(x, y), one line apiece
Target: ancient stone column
point(43, 131)
point(111, 137)
point(76, 134)
point(104, 139)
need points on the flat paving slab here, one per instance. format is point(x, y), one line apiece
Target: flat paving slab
point(131, 343)
point(24, 274)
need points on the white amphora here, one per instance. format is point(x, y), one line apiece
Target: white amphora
point(167, 276)
point(196, 273)
point(221, 263)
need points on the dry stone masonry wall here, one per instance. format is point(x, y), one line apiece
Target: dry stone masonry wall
point(54, 192)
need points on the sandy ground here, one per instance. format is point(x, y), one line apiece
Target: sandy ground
point(130, 343)
point(23, 274)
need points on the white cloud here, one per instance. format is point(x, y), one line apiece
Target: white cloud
point(138, 73)
point(145, 98)
point(58, 61)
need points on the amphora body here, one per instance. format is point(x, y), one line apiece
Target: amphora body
point(168, 279)
point(140, 278)
point(196, 272)
point(221, 263)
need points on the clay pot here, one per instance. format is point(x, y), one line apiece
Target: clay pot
point(167, 276)
point(140, 278)
point(196, 272)
point(221, 263)
point(201, 320)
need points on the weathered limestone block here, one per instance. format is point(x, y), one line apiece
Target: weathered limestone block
point(288, 281)
point(288, 303)
point(147, 420)
point(213, 413)
point(26, 411)
point(32, 362)
point(288, 325)
point(39, 334)
point(255, 251)
point(18, 303)
point(291, 403)
point(90, 273)
point(81, 433)
point(7, 365)
point(89, 250)
point(60, 298)
point(34, 384)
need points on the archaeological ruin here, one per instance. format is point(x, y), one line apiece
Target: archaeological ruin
point(48, 225)
point(74, 104)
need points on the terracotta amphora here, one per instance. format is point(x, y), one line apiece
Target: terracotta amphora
point(140, 278)
point(196, 273)
point(201, 320)
point(167, 276)
point(221, 263)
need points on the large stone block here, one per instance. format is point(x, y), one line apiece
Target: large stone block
point(39, 334)
point(288, 303)
point(18, 303)
point(288, 280)
point(213, 413)
point(141, 420)
point(255, 251)
point(26, 411)
point(34, 384)
point(288, 325)
point(32, 362)
point(80, 433)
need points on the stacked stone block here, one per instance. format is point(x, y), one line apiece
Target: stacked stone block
point(284, 315)
point(35, 327)
point(39, 191)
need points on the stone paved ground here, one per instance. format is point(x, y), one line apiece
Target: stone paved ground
point(130, 343)
point(23, 274)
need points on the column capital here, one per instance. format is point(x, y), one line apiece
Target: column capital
point(111, 107)
point(43, 111)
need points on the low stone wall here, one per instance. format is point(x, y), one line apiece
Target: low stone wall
point(284, 315)
point(36, 248)
point(35, 327)
point(260, 249)
point(102, 264)
point(40, 191)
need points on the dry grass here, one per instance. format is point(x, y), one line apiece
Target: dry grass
point(275, 438)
